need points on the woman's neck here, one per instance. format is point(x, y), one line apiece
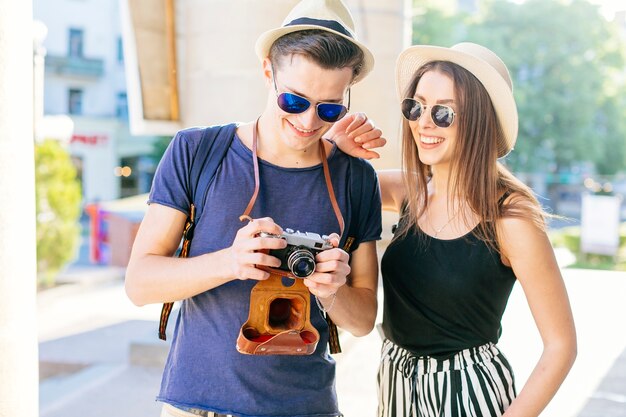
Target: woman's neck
point(440, 183)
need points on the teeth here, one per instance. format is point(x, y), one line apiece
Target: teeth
point(431, 140)
point(304, 130)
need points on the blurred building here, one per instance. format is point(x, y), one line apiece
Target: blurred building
point(84, 78)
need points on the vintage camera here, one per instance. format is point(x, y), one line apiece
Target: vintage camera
point(298, 257)
point(279, 322)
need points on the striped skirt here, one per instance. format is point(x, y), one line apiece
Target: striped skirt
point(474, 382)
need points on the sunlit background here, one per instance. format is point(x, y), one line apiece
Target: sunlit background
point(111, 88)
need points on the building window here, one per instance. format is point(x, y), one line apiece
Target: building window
point(75, 101)
point(120, 50)
point(122, 106)
point(75, 46)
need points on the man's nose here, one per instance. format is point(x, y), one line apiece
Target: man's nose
point(309, 118)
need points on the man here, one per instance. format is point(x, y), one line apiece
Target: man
point(309, 65)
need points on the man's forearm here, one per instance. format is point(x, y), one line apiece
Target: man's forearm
point(159, 279)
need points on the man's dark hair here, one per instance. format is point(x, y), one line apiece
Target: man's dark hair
point(328, 50)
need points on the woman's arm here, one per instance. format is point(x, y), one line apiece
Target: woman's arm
point(357, 135)
point(392, 192)
point(529, 252)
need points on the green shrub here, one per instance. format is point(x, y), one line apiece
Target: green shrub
point(58, 209)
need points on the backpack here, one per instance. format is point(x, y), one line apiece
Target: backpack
point(208, 157)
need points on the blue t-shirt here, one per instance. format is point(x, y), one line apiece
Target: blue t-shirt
point(204, 370)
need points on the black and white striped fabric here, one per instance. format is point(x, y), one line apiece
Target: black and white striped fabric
point(475, 382)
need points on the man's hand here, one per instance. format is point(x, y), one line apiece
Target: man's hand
point(356, 135)
point(245, 252)
point(331, 271)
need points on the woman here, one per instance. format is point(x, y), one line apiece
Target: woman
point(468, 230)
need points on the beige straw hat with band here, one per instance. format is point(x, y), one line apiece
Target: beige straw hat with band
point(329, 15)
point(486, 67)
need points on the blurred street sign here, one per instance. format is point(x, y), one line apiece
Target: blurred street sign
point(600, 219)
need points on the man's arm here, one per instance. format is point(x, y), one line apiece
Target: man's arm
point(354, 305)
point(154, 276)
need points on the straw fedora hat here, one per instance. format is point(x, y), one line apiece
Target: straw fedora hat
point(484, 64)
point(329, 15)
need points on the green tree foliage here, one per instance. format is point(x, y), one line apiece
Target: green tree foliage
point(436, 24)
point(611, 125)
point(58, 209)
point(567, 66)
point(562, 57)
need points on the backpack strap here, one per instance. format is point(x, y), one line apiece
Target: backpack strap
point(210, 152)
point(207, 160)
point(355, 196)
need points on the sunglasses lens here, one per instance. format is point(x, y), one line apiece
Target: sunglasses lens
point(411, 109)
point(330, 112)
point(442, 115)
point(292, 103)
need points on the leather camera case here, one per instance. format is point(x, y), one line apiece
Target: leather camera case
point(279, 322)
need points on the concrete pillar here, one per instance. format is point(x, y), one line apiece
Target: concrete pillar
point(220, 75)
point(385, 27)
point(18, 331)
point(223, 77)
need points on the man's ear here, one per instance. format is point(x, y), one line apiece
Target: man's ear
point(267, 71)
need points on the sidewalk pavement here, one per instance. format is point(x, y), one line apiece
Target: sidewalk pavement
point(100, 356)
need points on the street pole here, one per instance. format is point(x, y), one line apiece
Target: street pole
point(18, 308)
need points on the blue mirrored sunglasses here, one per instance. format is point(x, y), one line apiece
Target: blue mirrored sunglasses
point(295, 104)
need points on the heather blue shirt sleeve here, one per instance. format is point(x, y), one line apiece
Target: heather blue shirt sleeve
point(170, 186)
point(369, 217)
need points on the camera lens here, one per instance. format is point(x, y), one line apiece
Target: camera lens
point(301, 262)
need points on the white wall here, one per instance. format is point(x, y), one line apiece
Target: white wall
point(18, 319)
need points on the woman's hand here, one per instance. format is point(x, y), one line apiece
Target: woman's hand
point(356, 135)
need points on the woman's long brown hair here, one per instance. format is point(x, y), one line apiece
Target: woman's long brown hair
point(476, 175)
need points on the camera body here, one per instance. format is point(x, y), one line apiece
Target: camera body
point(279, 322)
point(297, 259)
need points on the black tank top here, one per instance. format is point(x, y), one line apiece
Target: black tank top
point(443, 296)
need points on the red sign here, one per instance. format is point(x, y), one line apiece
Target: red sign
point(89, 139)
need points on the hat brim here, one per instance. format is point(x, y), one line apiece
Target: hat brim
point(500, 92)
point(267, 39)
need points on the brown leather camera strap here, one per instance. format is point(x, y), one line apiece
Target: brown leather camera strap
point(333, 334)
point(327, 178)
point(329, 187)
point(257, 181)
point(184, 252)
